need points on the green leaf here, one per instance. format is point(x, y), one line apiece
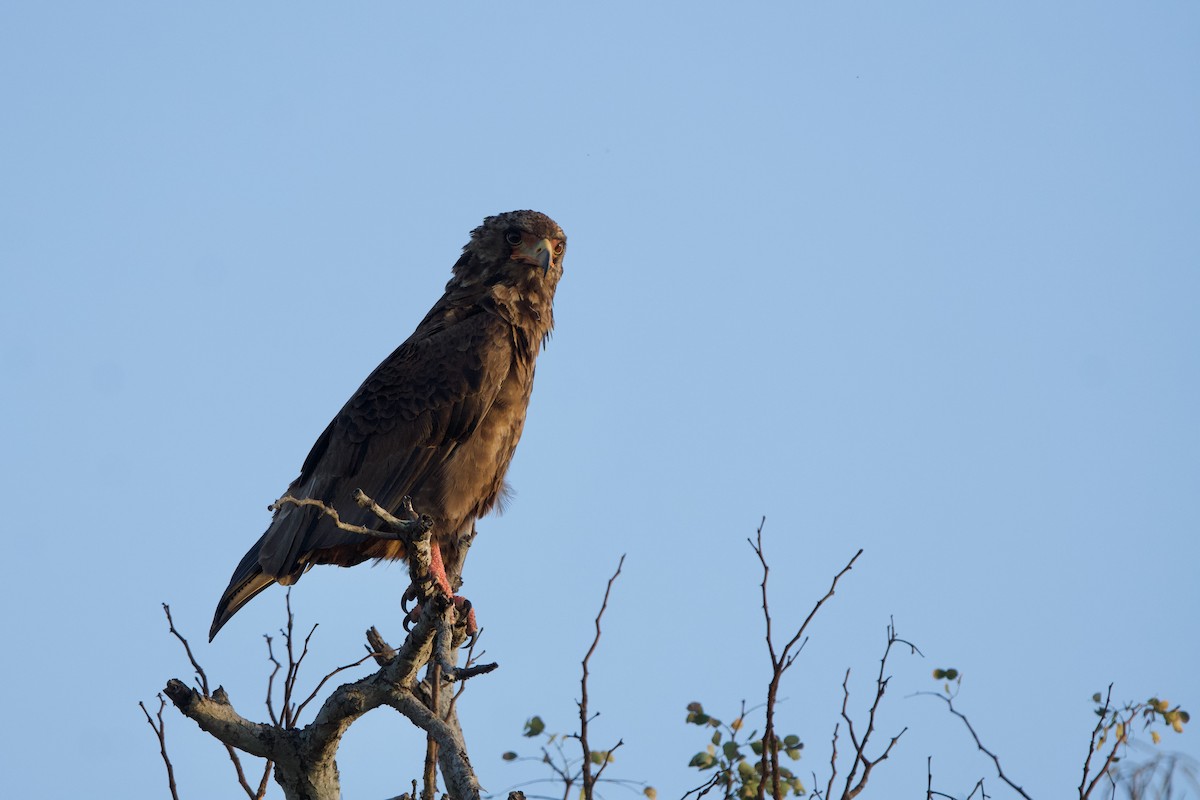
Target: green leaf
point(1096, 697)
point(600, 756)
point(746, 771)
point(534, 726)
point(731, 751)
point(793, 753)
point(757, 747)
point(716, 738)
point(695, 708)
point(509, 756)
point(791, 740)
point(703, 761)
point(951, 674)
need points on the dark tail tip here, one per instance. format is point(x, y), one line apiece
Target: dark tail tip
point(241, 590)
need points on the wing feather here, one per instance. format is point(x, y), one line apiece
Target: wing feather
point(394, 434)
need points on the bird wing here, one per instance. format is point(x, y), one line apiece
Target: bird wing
point(396, 431)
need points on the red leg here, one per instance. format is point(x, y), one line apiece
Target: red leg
point(437, 569)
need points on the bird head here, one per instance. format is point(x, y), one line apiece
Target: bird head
point(513, 248)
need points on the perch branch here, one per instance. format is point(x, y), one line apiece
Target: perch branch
point(304, 757)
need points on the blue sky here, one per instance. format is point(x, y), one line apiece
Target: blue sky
point(921, 278)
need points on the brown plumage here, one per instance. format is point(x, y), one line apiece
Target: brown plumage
point(438, 420)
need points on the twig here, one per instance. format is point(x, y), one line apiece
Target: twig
point(429, 789)
point(187, 648)
point(832, 762)
point(995, 759)
point(271, 682)
point(1087, 762)
point(203, 683)
point(160, 730)
point(325, 680)
point(780, 662)
point(588, 780)
point(397, 529)
point(607, 759)
point(703, 788)
point(860, 757)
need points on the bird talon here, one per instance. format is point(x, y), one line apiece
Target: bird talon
point(410, 595)
point(410, 618)
point(466, 615)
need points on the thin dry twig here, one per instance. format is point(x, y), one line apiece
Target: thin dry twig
point(703, 788)
point(780, 662)
point(995, 759)
point(1087, 762)
point(832, 762)
point(589, 781)
point(203, 683)
point(160, 730)
point(853, 789)
point(270, 701)
point(187, 648)
point(607, 760)
point(323, 681)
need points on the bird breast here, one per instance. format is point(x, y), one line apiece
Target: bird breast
point(474, 474)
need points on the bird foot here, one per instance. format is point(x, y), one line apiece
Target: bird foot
point(437, 573)
point(466, 613)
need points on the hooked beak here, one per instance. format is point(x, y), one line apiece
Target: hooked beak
point(536, 252)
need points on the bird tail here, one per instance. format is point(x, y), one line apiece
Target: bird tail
point(247, 581)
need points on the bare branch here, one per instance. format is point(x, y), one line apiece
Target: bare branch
point(187, 648)
point(203, 682)
point(852, 790)
point(833, 756)
point(323, 681)
point(608, 759)
point(216, 716)
point(1087, 762)
point(160, 730)
point(703, 788)
point(588, 780)
point(303, 758)
point(780, 662)
point(995, 759)
point(396, 529)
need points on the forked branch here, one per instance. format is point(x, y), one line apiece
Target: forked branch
point(304, 756)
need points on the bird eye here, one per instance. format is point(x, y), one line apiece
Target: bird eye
point(558, 249)
point(512, 237)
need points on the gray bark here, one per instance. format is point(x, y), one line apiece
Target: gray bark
point(305, 758)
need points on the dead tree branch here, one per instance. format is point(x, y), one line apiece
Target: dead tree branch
point(304, 757)
point(949, 701)
point(859, 756)
point(780, 662)
point(160, 730)
point(589, 781)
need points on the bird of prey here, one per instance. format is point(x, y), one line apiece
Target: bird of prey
point(437, 421)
